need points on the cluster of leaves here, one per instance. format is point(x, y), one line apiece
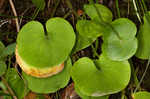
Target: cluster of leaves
point(93, 78)
point(119, 44)
point(8, 74)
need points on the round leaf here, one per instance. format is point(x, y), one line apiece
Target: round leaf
point(92, 77)
point(89, 29)
point(41, 50)
point(122, 48)
point(3, 68)
point(141, 95)
point(50, 84)
point(143, 36)
point(104, 11)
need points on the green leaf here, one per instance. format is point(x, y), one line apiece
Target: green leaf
point(89, 29)
point(141, 95)
point(40, 4)
point(100, 77)
point(1, 47)
point(7, 97)
point(82, 42)
point(3, 68)
point(88, 97)
point(52, 83)
point(16, 83)
point(40, 97)
point(3, 94)
point(122, 48)
point(9, 50)
point(45, 50)
point(143, 36)
point(106, 14)
point(2, 86)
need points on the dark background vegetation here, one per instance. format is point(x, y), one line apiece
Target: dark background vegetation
point(27, 11)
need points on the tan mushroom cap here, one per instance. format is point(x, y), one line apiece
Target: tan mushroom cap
point(38, 72)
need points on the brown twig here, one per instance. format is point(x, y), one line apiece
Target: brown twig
point(9, 89)
point(1, 5)
point(128, 7)
point(48, 3)
point(15, 14)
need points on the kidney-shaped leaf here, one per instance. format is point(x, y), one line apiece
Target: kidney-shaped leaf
point(50, 84)
point(91, 11)
point(122, 48)
point(141, 95)
point(41, 50)
point(89, 28)
point(100, 77)
point(143, 36)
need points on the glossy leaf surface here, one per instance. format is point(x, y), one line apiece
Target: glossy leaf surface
point(47, 48)
point(141, 95)
point(50, 84)
point(120, 47)
point(92, 77)
point(91, 11)
point(89, 97)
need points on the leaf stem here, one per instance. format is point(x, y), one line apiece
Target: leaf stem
point(136, 10)
point(73, 11)
point(9, 88)
point(96, 44)
point(35, 13)
point(147, 66)
point(133, 73)
point(15, 14)
point(67, 14)
point(54, 10)
point(95, 54)
point(144, 5)
point(117, 7)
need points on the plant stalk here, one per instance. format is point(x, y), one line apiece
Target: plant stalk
point(9, 88)
point(54, 10)
point(136, 10)
point(71, 7)
point(147, 66)
point(117, 7)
